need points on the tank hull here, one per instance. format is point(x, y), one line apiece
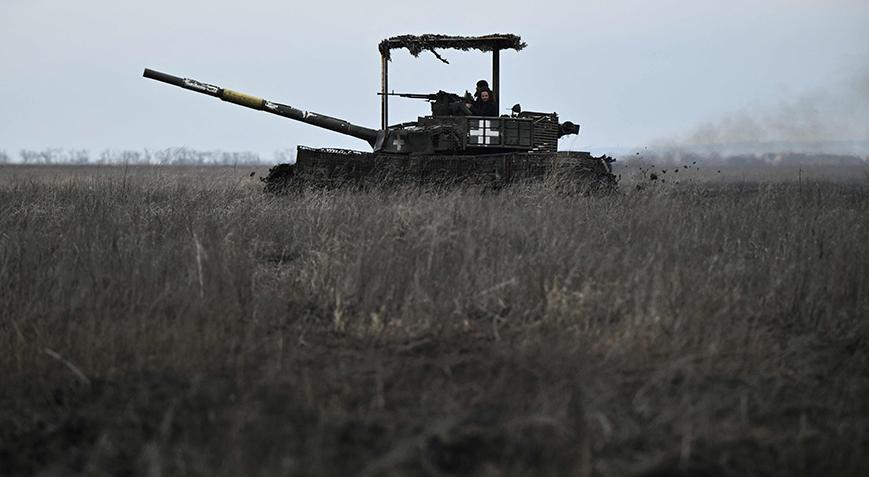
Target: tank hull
point(341, 167)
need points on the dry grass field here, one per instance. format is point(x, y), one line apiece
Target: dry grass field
point(177, 321)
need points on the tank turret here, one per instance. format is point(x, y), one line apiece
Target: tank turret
point(450, 129)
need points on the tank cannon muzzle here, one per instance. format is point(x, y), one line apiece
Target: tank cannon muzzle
point(260, 104)
point(166, 78)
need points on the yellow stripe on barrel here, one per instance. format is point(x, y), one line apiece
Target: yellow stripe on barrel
point(242, 99)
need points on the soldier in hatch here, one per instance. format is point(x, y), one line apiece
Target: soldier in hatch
point(482, 103)
point(485, 104)
point(481, 85)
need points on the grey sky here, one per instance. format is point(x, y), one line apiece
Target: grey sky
point(632, 72)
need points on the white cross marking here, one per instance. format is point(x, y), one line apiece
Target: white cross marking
point(398, 143)
point(484, 135)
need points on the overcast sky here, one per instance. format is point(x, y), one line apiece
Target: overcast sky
point(633, 73)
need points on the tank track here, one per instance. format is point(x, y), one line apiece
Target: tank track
point(341, 167)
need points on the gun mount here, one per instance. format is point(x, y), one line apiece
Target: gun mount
point(442, 102)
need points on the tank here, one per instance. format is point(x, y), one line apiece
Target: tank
point(450, 144)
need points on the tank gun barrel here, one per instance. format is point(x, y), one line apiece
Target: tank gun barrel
point(260, 104)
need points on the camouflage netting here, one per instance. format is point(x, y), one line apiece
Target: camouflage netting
point(416, 44)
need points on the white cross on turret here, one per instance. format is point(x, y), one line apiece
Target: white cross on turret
point(484, 134)
point(398, 143)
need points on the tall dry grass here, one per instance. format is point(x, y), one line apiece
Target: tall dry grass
point(166, 327)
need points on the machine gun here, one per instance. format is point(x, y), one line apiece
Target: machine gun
point(442, 102)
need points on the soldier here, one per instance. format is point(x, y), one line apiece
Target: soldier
point(485, 104)
point(482, 104)
point(481, 85)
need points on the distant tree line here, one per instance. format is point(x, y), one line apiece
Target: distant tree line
point(187, 156)
point(170, 156)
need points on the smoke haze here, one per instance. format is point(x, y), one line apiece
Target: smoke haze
point(833, 119)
